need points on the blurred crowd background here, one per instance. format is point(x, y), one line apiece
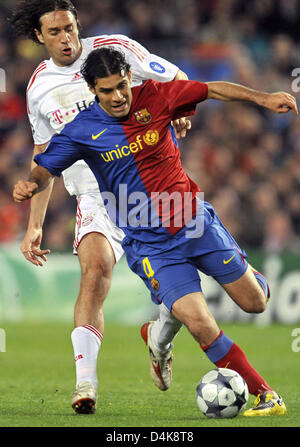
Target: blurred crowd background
point(245, 159)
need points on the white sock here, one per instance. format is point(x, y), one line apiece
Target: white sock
point(165, 329)
point(86, 342)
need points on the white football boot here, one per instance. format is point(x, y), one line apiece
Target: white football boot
point(160, 363)
point(84, 398)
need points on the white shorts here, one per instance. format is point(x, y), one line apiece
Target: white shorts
point(92, 217)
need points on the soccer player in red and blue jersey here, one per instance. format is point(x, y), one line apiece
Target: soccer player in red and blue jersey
point(56, 92)
point(126, 139)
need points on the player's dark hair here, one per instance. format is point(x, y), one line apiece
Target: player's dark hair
point(26, 16)
point(102, 63)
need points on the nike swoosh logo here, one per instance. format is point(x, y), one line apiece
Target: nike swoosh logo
point(98, 135)
point(228, 260)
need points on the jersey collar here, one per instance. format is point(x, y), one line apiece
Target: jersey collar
point(97, 109)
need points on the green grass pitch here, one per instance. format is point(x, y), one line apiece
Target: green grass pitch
point(38, 377)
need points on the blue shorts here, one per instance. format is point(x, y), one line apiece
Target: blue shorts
point(172, 273)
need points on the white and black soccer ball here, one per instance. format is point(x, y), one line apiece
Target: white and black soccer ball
point(222, 393)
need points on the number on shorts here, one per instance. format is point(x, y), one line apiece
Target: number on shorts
point(147, 268)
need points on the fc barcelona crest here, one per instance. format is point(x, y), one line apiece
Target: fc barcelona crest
point(143, 116)
point(155, 284)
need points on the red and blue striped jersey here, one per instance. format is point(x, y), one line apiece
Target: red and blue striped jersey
point(135, 160)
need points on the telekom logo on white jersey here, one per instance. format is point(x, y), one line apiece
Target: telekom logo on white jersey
point(64, 116)
point(57, 116)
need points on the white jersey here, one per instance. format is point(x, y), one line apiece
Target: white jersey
point(55, 95)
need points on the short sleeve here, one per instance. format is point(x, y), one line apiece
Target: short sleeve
point(41, 129)
point(59, 155)
point(144, 65)
point(155, 67)
point(182, 97)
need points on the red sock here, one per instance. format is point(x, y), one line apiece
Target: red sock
point(236, 359)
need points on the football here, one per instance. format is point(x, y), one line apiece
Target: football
point(222, 393)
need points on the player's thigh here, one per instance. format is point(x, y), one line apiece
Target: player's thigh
point(92, 218)
point(96, 255)
point(230, 269)
point(192, 310)
point(219, 255)
point(247, 292)
point(225, 262)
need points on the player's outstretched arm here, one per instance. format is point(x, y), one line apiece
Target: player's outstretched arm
point(279, 102)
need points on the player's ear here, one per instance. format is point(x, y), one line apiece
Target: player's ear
point(130, 76)
point(92, 89)
point(39, 36)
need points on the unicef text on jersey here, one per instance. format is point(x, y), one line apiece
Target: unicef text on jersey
point(157, 209)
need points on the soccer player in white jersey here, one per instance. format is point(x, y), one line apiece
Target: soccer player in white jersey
point(55, 94)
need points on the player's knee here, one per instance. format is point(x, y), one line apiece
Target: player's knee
point(257, 308)
point(260, 304)
point(256, 302)
point(96, 269)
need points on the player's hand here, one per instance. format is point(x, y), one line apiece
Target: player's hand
point(23, 190)
point(31, 247)
point(181, 126)
point(281, 102)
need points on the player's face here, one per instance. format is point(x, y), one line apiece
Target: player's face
point(59, 33)
point(114, 94)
